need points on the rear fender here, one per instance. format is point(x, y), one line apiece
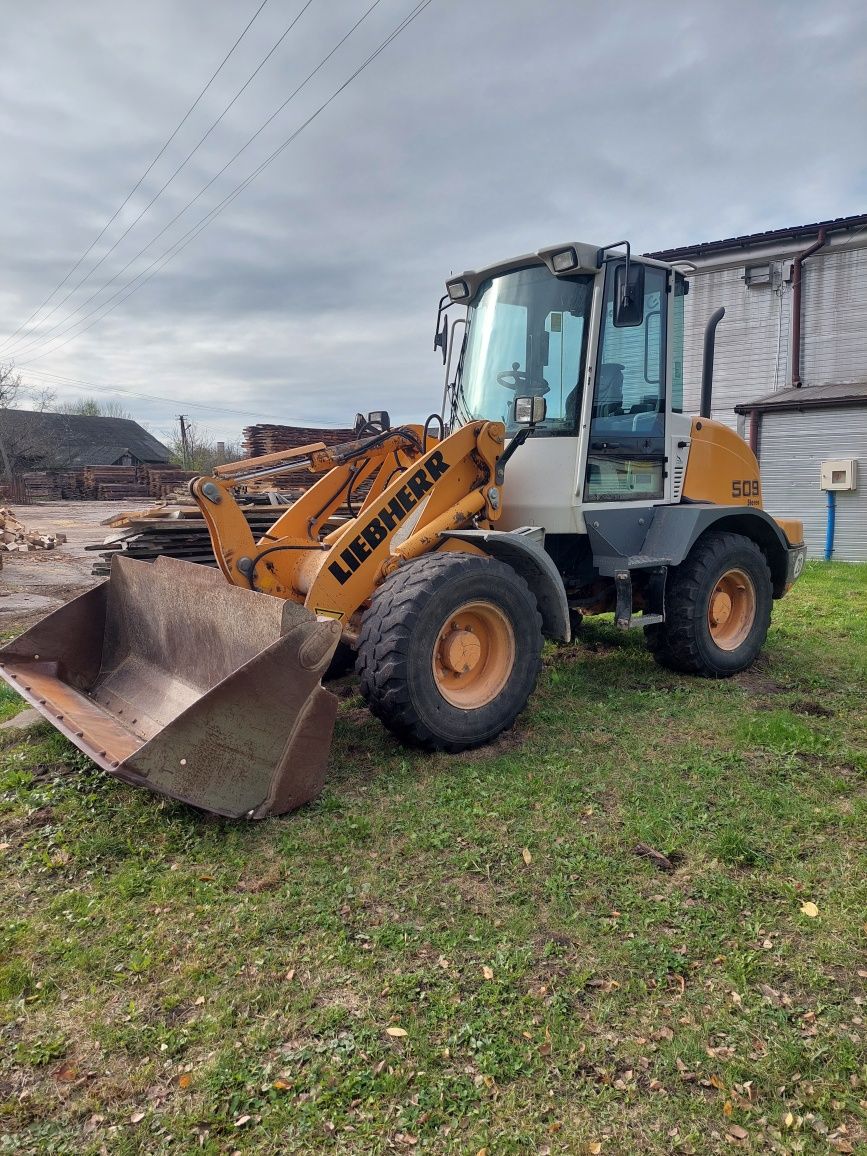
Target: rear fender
point(675, 530)
point(523, 550)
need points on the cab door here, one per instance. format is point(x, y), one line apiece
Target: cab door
point(626, 451)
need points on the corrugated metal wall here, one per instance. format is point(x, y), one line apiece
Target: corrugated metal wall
point(834, 331)
point(791, 448)
point(752, 341)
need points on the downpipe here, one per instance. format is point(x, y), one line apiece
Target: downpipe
point(830, 525)
point(797, 283)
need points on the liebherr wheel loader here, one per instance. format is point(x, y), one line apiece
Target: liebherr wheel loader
point(562, 479)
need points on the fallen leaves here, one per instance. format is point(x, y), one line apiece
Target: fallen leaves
point(395, 1031)
point(738, 1132)
point(526, 856)
point(809, 909)
point(487, 972)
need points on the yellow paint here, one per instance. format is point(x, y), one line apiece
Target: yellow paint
point(793, 529)
point(334, 574)
point(722, 468)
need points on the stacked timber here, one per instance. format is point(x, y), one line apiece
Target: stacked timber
point(272, 439)
point(111, 482)
point(176, 532)
point(40, 486)
point(162, 480)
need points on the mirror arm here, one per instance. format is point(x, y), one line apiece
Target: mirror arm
point(516, 443)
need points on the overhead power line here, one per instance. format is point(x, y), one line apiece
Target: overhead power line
point(169, 254)
point(31, 344)
point(82, 280)
point(55, 378)
point(138, 183)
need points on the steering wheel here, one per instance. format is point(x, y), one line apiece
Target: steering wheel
point(516, 379)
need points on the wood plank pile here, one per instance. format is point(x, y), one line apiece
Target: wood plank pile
point(105, 483)
point(177, 532)
point(162, 480)
point(40, 486)
point(272, 439)
point(16, 537)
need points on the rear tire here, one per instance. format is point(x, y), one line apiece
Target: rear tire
point(449, 650)
point(717, 608)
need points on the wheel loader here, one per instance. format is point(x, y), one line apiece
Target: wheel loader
point(562, 478)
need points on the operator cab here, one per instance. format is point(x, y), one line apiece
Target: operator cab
point(598, 335)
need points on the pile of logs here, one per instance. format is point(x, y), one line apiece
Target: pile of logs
point(16, 537)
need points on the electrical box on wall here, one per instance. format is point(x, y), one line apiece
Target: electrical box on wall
point(839, 474)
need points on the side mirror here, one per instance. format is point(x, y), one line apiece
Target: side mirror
point(530, 411)
point(628, 294)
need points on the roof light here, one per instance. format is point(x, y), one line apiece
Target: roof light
point(565, 260)
point(458, 290)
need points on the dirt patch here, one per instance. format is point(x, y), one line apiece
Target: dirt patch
point(506, 742)
point(812, 708)
point(756, 682)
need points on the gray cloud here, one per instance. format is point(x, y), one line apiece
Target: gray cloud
point(488, 128)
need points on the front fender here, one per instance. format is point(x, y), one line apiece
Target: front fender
point(523, 551)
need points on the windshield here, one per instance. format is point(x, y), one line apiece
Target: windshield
point(526, 336)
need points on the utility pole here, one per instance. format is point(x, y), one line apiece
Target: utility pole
point(185, 440)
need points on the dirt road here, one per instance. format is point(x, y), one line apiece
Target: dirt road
point(35, 583)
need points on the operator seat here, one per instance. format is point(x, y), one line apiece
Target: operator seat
point(609, 390)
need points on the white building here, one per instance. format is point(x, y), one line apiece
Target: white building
point(790, 371)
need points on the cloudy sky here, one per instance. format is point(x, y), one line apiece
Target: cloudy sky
point(488, 128)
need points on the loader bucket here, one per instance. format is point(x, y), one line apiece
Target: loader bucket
point(171, 678)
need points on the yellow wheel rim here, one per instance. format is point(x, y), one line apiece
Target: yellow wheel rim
point(473, 655)
point(731, 610)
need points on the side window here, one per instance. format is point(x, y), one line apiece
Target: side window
point(630, 383)
point(680, 288)
point(627, 426)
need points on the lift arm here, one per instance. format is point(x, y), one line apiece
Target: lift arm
point(415, 498)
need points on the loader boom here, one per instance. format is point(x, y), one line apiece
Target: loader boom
point(417, 495)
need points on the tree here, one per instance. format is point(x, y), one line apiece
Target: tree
point(203, 451)
point(12, 391)
point(93, 407)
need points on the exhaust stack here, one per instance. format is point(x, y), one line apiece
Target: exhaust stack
point(707, 365)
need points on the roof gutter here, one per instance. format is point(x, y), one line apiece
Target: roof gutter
point(796, 306)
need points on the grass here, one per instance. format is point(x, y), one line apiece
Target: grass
point(466, 954)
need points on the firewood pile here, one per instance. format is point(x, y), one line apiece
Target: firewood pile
point(15, 537)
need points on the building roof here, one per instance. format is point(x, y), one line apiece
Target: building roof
point(751, 240)
point(64, 439)
point(810, 397)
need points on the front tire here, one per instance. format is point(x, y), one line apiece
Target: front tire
point(717, 608)
point(449, 650)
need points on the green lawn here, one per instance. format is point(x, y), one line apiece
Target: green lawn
point(466, 954)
